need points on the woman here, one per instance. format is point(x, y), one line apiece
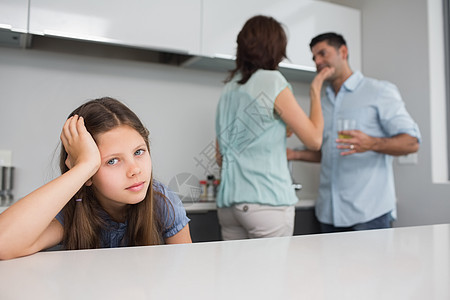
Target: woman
point(255, 197)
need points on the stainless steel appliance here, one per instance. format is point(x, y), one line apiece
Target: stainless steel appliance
point(6, 185)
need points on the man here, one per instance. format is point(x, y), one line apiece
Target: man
point(356, 189)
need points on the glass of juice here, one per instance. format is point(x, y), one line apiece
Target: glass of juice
point(345, 124)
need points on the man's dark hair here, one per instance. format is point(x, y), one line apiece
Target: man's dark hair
point(333, 39)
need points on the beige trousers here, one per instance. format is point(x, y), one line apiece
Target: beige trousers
point(244, 221)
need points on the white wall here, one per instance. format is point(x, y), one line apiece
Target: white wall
point(395, 48)
point(40, 88)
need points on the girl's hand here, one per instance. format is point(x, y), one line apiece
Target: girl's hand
point(79, 145)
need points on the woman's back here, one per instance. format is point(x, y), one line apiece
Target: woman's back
point(252, 139)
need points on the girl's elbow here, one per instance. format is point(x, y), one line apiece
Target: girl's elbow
point(9, 251)
point(6, 254)
point(3, 250)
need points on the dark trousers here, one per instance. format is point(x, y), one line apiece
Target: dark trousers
point(384, 221)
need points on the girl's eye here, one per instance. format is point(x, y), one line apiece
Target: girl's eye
point(112, 161)
point(139, 152)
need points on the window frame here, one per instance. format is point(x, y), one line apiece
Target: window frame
point(446, 19)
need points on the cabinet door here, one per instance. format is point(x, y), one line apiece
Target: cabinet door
point(303, 19)
point(204, 226)
point(172, 25)
point(14, 15)
point(306, 221)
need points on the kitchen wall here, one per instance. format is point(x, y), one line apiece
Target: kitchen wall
point(395, 48)
point(41, 86)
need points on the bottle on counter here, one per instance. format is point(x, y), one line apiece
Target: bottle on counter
point(210, 194)
point(203, 189)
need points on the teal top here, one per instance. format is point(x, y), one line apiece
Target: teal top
point(252, 141)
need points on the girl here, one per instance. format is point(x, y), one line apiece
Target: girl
point(105, 197)
point(256, 197)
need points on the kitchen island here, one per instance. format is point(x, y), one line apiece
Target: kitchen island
point(399, 263)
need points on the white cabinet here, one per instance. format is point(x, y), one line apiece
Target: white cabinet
point(205, 29)
point(171, 25)
point(13, 22)
point(14, 15)
point(304, 19)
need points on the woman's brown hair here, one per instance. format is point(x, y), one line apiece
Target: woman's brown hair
point(261, 44)
point(82, 219)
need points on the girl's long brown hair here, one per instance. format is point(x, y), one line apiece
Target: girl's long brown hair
point(82, 219)
point(261, 44)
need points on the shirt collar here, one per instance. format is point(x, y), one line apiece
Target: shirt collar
point(353, 81)
point(349, 85)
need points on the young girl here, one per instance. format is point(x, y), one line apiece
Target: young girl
point(106, 195)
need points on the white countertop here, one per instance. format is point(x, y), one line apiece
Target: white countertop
point(400, 263)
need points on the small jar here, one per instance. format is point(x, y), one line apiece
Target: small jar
point(203, 191)
point(210, 187)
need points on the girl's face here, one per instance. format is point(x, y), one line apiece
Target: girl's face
point(125, 170)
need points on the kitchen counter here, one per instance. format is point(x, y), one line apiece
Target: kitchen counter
point(399, 263)
point(202, 206)
point(196, 205)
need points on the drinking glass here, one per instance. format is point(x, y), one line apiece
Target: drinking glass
point(345, 124)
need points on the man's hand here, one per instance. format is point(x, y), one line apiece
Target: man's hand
point(401, 144)
point(358, 143)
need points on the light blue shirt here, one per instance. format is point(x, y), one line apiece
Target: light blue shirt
point(360, 187)
point(252, 141)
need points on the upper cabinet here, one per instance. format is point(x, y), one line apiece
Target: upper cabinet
point(167, 25)
point(303, 19)
point(14, 15)
point(13, 22)
point(204, 30)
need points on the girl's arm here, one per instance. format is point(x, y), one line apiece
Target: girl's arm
point(308, 129)
point(29, 225)
point(181, 237)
